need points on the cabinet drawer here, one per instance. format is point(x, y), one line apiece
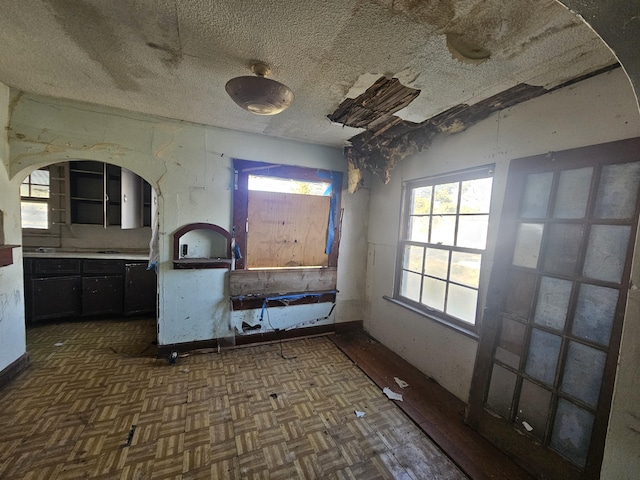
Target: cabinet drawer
point(57, 265)
point(102, 266)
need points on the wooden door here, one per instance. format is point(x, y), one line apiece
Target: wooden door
point(551, 331)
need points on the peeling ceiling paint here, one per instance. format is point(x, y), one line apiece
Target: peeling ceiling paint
point(172, 58)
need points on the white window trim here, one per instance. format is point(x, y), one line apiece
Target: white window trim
point(467, 328)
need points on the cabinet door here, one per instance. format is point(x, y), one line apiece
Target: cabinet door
point(132, 200)
point(140, 289)
point(102, 295)
point(55, 297)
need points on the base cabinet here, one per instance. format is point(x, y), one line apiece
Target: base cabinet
point(59, 288)
point(55, 297)
point(140, 289)
point(102, 295)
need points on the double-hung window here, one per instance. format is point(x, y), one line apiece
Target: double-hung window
point(35, 192)
point(443, 239)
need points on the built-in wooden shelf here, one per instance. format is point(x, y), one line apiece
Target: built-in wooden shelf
point(212, 247)
point(6, 254)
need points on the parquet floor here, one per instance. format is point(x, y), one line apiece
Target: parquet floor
point(96, 403)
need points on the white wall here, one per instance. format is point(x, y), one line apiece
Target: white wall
point(12, 333)
point(598, 110)
point(191, 168)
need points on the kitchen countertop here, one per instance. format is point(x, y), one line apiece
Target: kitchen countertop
point(92, 255)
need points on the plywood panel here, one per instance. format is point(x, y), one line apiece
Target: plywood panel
point(286, 230)
point(261, 282)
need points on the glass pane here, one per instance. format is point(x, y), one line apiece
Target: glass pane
point(594, 313)
point(24, 189)
point(528, 242)
point(419, 229)
point(519, 294)
point(34, 215)
point(501, 389)
point(433, 293)
point(553, 301)
point(542, 360)
point(533, 409)
point(443, 229)
point(437, 263)
point(511, 343)
point(572, 432)
point(583, 373)
point(265, 183)
point(410, 286)
point(413, 258)
point(618, 191)
point(472, 231)
point(465, 268)
point(476, 196)
point(563, 247)
point(445, 198)
point(606, 252)
point(421, 200)
point(536, 195)
point(462, 303)
point(573, 193)
point(40, 191)
point(40, 177)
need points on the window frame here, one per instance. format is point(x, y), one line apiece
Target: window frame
point(475, 173)
point(242, 169)
point(43, 200)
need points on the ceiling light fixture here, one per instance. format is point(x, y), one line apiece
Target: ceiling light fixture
point(260, 95)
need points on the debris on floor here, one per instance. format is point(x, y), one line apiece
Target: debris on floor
point(527, 427)
point(58, 344)
point(173, 358)
point(401, 383)
point(391, 394)
point(359, 414)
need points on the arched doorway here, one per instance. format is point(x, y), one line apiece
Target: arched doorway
point(87, 229)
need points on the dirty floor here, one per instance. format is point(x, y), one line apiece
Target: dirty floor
point(96, 403)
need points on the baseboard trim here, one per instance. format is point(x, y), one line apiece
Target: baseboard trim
point(13, 369)
point(257, 338)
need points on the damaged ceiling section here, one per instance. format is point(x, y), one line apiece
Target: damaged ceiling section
point(388, 139)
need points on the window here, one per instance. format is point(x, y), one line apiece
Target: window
point(444, 234)
point(285, 216)
point(34, 200)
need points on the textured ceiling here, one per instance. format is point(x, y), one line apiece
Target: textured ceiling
point(173, 57)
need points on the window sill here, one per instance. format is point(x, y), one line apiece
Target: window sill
point(278, 281)
point(471, 333)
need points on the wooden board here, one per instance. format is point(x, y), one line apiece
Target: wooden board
point(287, 230)
point(261, 282)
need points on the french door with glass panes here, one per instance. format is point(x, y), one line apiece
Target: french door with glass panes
point(550, 336)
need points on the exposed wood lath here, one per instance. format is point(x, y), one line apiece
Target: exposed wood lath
point(374, 108)
point(379, 150)
point(389, 139)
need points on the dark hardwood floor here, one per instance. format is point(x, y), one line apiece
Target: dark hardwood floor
point(437, 412)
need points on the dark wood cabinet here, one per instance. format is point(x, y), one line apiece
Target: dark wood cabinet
point(74, 287)
point(102, 295)
point(55, 297)
point(140, 289)
point(105, 194)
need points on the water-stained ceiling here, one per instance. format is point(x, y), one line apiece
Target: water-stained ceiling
point(173, 57)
